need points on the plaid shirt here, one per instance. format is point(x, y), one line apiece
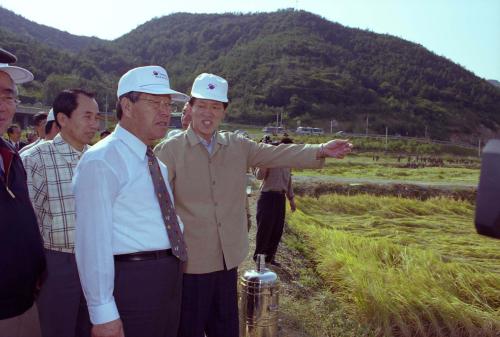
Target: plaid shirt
point(50, 167)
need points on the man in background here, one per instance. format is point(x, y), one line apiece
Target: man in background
point(14, 134)
point(276, 187)
point(104, 134)
point(51, 127)
point(186, 116)
point(22, 261)
point(50, 167)
point(39, 121)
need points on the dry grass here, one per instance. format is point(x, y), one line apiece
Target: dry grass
point(404, 267)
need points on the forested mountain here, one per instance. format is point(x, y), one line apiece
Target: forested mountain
point(44, 34)
point(288, 61)
point(495, 83)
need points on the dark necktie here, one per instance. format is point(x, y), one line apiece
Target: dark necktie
point(167, 209)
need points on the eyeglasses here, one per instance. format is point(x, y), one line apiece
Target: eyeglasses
point(159, 104)
point(9, 99)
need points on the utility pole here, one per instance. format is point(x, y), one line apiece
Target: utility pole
point(386, 136)
point(479, 148)
point(367, 125)
point(331, 126)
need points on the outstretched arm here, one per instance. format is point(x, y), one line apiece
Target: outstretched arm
point(337, 148)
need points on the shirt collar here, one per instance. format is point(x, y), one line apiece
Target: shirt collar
point(195, 139)
point(68, 152)
point(135, 144)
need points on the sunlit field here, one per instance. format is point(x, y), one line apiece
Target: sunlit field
point(389, 168)
point(404, 267)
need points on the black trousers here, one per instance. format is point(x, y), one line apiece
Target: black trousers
point(271, 208)
point(61, 298)
point(148, 297)
point(210, 305)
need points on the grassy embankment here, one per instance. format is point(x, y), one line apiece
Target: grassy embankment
point(402, 267)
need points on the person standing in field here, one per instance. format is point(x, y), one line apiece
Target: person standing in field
point(50, 167)
point(22, 260)
point(130, 249)
point(275, 189)
point(207, 171)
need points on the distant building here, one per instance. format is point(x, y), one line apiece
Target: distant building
point(24, 115)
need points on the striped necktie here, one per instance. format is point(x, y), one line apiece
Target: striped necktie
point(167, 210)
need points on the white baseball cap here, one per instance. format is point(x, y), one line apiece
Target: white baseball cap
point(210, 86)
point(151, 80)
point(17, 74)
point(50, 116)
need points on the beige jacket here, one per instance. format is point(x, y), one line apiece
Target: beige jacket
point(209, 191)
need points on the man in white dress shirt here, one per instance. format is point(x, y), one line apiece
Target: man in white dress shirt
point(125, 250)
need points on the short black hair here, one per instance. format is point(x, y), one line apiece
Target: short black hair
point(133, 96)
point(193, 99)
point(67, 101)
point(48, 127)
point(39, 117)
point(10, 129)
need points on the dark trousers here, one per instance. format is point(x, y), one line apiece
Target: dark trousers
point(210, 305)
point(271, 208)
point(148, 297)
point(60, 301)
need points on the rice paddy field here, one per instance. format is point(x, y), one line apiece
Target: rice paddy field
point(400, 266)
point(389, 168)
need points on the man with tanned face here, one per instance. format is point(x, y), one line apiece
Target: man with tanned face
point(129, 244)
point(50, 167)
point(186, 116)
point(207, 170)
point(22, 261)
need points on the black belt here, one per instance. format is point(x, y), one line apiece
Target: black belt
point(141, 256)
point(274, 192)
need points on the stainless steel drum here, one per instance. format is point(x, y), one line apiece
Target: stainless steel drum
point(258, 302)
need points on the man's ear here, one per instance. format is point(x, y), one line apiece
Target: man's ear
point(127, 105)
point(62, 119)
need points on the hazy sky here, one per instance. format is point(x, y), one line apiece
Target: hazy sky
point(465, 31)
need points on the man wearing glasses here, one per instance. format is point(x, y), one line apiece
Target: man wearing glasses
point(22, 261)
point(130, 249)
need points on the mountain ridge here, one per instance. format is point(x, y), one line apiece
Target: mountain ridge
point(52, 36)
point(299, 64)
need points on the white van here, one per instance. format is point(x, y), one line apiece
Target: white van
point(318, 131)
point(275, 130)
point(304, 130)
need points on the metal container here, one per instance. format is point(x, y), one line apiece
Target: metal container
point(258, 301)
